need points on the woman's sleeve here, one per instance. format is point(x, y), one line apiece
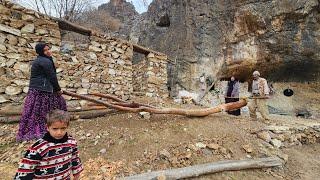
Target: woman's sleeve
point(237, 89)
point(28, 165)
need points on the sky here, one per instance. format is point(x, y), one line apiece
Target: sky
point(138, 4)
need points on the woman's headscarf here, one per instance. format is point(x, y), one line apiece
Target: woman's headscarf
point(39, 49)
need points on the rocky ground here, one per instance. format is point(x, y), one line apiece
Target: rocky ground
point(124, 144)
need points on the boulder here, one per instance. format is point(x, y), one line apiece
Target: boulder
point(29, 28)
point(13, 90)
point(3, 48)
point(24, 67)
point(3, 99)
point(12, 40)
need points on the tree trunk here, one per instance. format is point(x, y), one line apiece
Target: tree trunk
point(185, 112)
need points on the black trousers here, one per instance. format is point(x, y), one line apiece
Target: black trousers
point(235, 112)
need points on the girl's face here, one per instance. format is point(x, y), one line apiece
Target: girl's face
point(232, 78)
point(57, 129)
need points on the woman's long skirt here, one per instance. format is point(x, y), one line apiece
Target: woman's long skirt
point(36, 107)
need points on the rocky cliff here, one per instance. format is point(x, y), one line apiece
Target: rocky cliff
point(280, 38)
point(125, 12)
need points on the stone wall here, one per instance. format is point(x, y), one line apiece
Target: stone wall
point(20, 29)
point(150, 76)
point(104, 64)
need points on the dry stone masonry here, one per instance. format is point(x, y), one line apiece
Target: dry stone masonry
point(104, 64)
point(150, 75)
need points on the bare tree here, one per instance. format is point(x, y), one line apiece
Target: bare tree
point(64, 9)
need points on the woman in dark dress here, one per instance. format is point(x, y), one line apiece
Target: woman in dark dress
point(43, 96)
point(232, 94)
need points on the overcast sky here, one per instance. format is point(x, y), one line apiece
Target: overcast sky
point(138, 4)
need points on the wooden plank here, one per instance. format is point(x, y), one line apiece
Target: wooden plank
point(209, 168)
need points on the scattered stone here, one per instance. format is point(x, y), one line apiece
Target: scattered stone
point(247, 148)
point(193, 147)
point(206, 152)
point(200, 145)
point(145, 115)
point(277, 129)
point(264, 135)
point(283, 156)
point(276, 143)
point(164, 154)
point(213, 146)
point(103, 151)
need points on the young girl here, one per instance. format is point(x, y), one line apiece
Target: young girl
point(55, 156)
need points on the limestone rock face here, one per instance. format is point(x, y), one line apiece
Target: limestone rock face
point(280, 38)
point(125, 12)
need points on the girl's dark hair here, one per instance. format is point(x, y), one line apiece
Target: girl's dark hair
point(58, 115)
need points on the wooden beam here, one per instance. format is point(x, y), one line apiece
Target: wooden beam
point(209, 168)
point(74, 115)
point(143, 50)
point(69, 26)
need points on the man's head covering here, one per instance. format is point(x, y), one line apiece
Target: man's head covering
point(256, 73)
point(39, 48)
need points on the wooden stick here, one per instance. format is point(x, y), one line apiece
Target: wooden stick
point(108, 97)
point(185, 112)
point(73, 115)
point(6, 112)
point(209, 168)
point(119, 101)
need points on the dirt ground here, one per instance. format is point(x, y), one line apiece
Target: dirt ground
point(119, 145)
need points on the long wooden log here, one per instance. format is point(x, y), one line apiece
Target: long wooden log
point(185, 112)
point(121, 102)
point(18, 112)
point(108, 96)
point(74, 115)
point(209, 168)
